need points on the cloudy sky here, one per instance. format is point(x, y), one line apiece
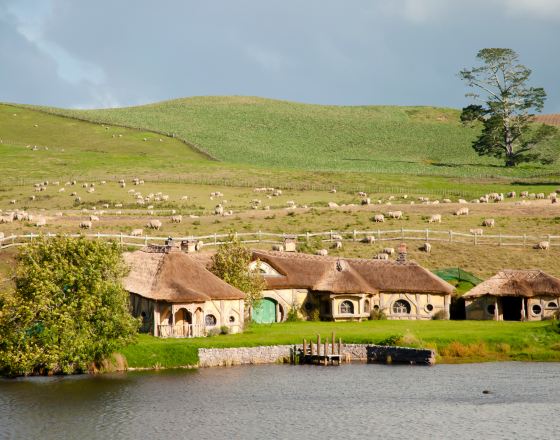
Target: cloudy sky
point(103, 53)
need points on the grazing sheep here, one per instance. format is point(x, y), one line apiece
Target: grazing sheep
point(336, 237)
point(86, 225)
point(8, 218)
point(379, 218)
point(137, 232)
point(368, 239)
point(477, 231)
point(463, 201)
point(435, 218)
point(388, 251)
point(511, 195)
point(322, 252)
point(382, 256)
point(366, 201)
point(540, 196)
point(219, 210)
point(426, 247)
point(40, 222)
point(122, 185)
point(154, 224)
point(395, 214)
point(176, 219)
point(337, 245)
point(278, 247)
point(333, 191)
point(12, 202)
point(185, 198)
point(524, 194)
point(544, 245)
point(446, 200)
point(488, 222)
point(362, 194)
point(462, 211)
point(333, 205)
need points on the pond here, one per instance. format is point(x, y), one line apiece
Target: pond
point(282, 401)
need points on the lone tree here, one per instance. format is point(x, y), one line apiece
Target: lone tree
point(68, 310)
point(231, 264)
point(500, 83)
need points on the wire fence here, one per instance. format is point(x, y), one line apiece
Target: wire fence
point(367, 236)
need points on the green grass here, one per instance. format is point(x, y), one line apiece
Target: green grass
point(286, 135)
point(464, 341)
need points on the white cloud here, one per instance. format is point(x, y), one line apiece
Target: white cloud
point(542, 9)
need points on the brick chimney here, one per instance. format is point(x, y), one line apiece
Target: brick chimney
point(401, 257)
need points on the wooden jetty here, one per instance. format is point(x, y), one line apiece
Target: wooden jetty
point(327, 353)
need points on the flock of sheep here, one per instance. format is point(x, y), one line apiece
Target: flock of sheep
point(149, 200)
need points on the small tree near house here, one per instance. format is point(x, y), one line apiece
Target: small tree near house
point(231, 264)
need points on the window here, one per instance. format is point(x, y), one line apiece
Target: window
point(401, 307)
point(210, 320)
point(376, 307)
point(536, 309)
point(366, 306)
point(429, 307)
point(491, 309)
point(232, 319)
point(347, 307)
point(552, 305)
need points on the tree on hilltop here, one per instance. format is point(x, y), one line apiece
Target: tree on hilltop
point(501, 85)
point(68, 309)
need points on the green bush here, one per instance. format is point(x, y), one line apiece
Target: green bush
point(293, 315)
point(440, 315)
point(391, 340)
point(377, 315)
point(224, 330)
point(69, 309)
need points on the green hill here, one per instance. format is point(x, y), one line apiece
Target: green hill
point(287, 135)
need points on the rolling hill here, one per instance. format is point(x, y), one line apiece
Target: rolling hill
point(285, 135)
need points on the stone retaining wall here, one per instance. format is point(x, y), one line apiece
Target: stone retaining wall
point(216, 357)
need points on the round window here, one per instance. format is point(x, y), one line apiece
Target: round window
point(552, 305)
point(210, 320)
point(429, 307)
point(401, 307)
point(491, 309)
point(232, 319)
point(376, 307)
point(536, 309)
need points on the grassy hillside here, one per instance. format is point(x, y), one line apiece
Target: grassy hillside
point(286, 135)
point(71, 148)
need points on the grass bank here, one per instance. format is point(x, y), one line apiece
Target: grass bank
point(454, 341)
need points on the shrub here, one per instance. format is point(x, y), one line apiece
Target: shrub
point(69, 309)
point(214, 332)
point(440, 315)
point(293, 315)
point(315, 314)
point(224, 330)
point(458, 350)
point(377, 315)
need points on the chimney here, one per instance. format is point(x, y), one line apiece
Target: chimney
point(290, 243)
point(401, 258)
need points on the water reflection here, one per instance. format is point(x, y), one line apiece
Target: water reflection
point(351, 401)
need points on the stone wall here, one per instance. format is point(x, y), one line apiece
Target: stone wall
point(216, 357)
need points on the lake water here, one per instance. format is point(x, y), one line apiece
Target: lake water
point(281, 401)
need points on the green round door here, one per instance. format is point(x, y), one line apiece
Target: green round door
point(265, 312)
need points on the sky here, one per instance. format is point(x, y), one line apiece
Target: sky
point(114, 53)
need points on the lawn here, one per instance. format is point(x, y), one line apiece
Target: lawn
point(455, 341)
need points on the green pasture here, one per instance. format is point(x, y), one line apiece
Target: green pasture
point(461, 341)
point(287, 135)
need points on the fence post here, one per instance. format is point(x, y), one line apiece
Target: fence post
point(215, 239)
point(524, 240)
point(474, 235)
point(500, 238)
point(121, 238)
point(427, 235)
point(354, 235)
point(331, 235)
point(259, 236)
point(450, 236)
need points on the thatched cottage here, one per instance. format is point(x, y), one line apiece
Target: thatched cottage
point(176, 296)
point(514, 295)
point(344, 289)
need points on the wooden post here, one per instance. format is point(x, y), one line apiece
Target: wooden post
point(318, 345)
point(354, 234)
point(340, 346)
point(450, 236)
point(311, 351)
point(332, 348)
point(496, 315)
point(304, 347)
point(427, 235)
point(326, 346)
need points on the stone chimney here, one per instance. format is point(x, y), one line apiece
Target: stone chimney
point(290, 244)
point(401, 257)
point(189, 245)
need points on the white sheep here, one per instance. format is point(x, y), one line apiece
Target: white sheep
point(137, 232)
point(278, 247)
point(388, 251)
point(379, 218)
point(488, 222)
point(86, 225)
point(93, 218)
point(462, 211)
point(477, 231)
point(544, 245)
point(381, 256)
point(176, 219)
point(426, 247)
point(154, 224)
point(322, 252)
point(435, 218)
point(368, 239)
point(395, 214)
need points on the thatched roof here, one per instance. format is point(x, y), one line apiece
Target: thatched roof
point(174, 277)
point(349, 275)
point(527, 283)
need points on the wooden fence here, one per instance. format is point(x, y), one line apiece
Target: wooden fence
point(379, 236)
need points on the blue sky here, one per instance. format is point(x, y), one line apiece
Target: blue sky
point(105, 53)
